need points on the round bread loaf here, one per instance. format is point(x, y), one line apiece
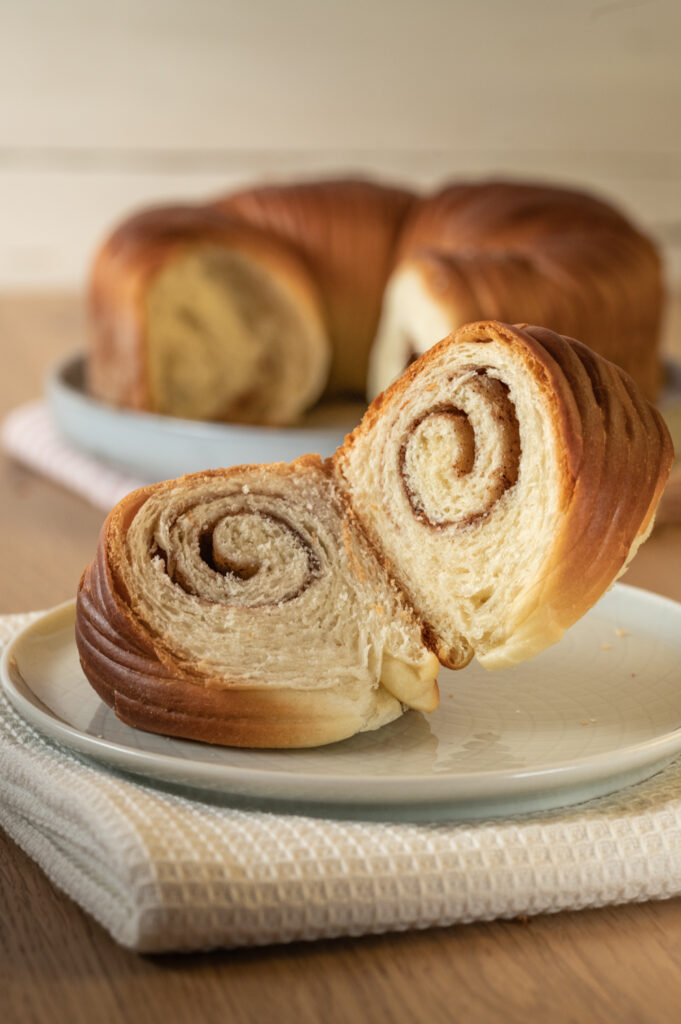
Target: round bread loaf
point(249, 307)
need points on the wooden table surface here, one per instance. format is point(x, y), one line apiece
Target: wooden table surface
point(616, 964)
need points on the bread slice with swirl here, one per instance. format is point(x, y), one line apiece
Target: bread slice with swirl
point(245, 607)
point(485, 502)
point(508, 478)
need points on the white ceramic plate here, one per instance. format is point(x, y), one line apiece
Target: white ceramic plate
point(597, 712)
point(158, 447)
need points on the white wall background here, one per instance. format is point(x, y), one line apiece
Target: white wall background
point(107, 105)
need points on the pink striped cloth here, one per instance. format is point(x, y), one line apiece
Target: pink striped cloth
point(29, 435)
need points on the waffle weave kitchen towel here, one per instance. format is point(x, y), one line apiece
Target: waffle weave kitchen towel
point(165, 873)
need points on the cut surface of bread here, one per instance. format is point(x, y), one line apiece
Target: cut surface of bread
point(507, 477)
point(225, 342)
point(198, 317)
point(245, 607)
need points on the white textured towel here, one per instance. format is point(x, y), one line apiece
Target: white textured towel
point(161, 872)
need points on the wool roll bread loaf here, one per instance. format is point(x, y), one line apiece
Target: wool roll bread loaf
point(251, 306)
point(198, 316)
point(245, 607)
point(508, 477)
point(486, 501)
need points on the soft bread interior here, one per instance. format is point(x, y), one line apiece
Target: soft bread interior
point(412, 321)
point(258, 578)
point(462, 483)
point(228, 340)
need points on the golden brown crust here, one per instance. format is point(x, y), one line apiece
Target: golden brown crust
point(540, 254)
point(616, 471)
point(346, 232)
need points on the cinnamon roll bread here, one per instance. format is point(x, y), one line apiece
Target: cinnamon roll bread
point(250, 306)
point(245, 607)
point(196, 315)
point(485, 502)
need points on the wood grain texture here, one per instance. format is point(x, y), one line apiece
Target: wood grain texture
point(617, 964)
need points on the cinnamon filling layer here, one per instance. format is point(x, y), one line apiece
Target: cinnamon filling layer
point(259, 554)
point(457, 461)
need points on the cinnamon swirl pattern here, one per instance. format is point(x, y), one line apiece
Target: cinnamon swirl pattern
point(245, 607)
point(508, 477)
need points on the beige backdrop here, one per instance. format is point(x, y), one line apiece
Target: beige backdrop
point(107, 105)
